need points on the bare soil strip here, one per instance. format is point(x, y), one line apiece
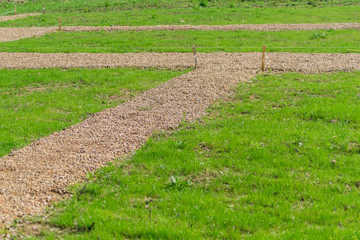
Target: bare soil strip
point(33, 177)
point(18, 16)
point(12, 34)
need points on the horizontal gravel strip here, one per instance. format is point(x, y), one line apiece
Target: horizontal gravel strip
point(250, 27)
point(17, 16)
point(34, 176)
point(12, 34)
point(302, 62)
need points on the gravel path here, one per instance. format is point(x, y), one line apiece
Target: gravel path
point(250, 27)
point(34, 176)
point(12, 34)
point(18, 16)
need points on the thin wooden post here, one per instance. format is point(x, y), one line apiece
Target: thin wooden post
point(59, 23)
point(15, 10)
point(43, 8)
point(195, 57)
point(263, 59)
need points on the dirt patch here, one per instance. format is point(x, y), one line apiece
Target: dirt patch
point(33, 177)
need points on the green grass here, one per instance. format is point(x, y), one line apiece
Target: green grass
point(208, 16)
point(258, 167)
point(179, 41)
point(35, 103)
point(104, 5)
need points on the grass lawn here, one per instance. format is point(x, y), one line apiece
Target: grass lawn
point(208, 16)
point(35, 103)
point(279, 159)
point(180, 41)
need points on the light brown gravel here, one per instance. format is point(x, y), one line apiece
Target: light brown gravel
point(250, 27)
point(18, 16)
point(12, 34)
point(33, 177)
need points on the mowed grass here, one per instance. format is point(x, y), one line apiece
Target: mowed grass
point(279, 159)
point(55, 6)
point(35, 103)
point(180, 41)
point(180, 16)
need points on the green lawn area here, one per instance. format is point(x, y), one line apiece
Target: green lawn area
point(280, 159)
point(178, 16)
point(35, 103)
point(180, 41)
point(121, 5)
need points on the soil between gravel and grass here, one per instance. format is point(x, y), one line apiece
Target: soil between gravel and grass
point(39, 174)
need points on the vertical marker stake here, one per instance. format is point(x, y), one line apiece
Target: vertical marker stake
point(15, 10)
point(195, 57)
point(263, 59)
point(43, 8)
point(59, 23)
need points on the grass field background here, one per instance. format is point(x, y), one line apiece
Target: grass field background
point(105, 5)
point(35, 103)
point(181, 41)
point(260, 165)
point(179, 16)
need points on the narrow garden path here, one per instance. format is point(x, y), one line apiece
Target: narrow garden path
point(34, 176)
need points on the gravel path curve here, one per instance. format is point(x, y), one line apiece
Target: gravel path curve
point(34, 176)
point(18, 16)
point(13, 34)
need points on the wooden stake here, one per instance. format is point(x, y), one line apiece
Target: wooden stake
point(195, 57)
point(263, 59)
point(15, 10)
point(59, 23)
point(43, 8)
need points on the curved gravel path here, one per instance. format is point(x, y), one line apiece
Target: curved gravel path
point(34, 176)
point(18, 16)
point(12, 34)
